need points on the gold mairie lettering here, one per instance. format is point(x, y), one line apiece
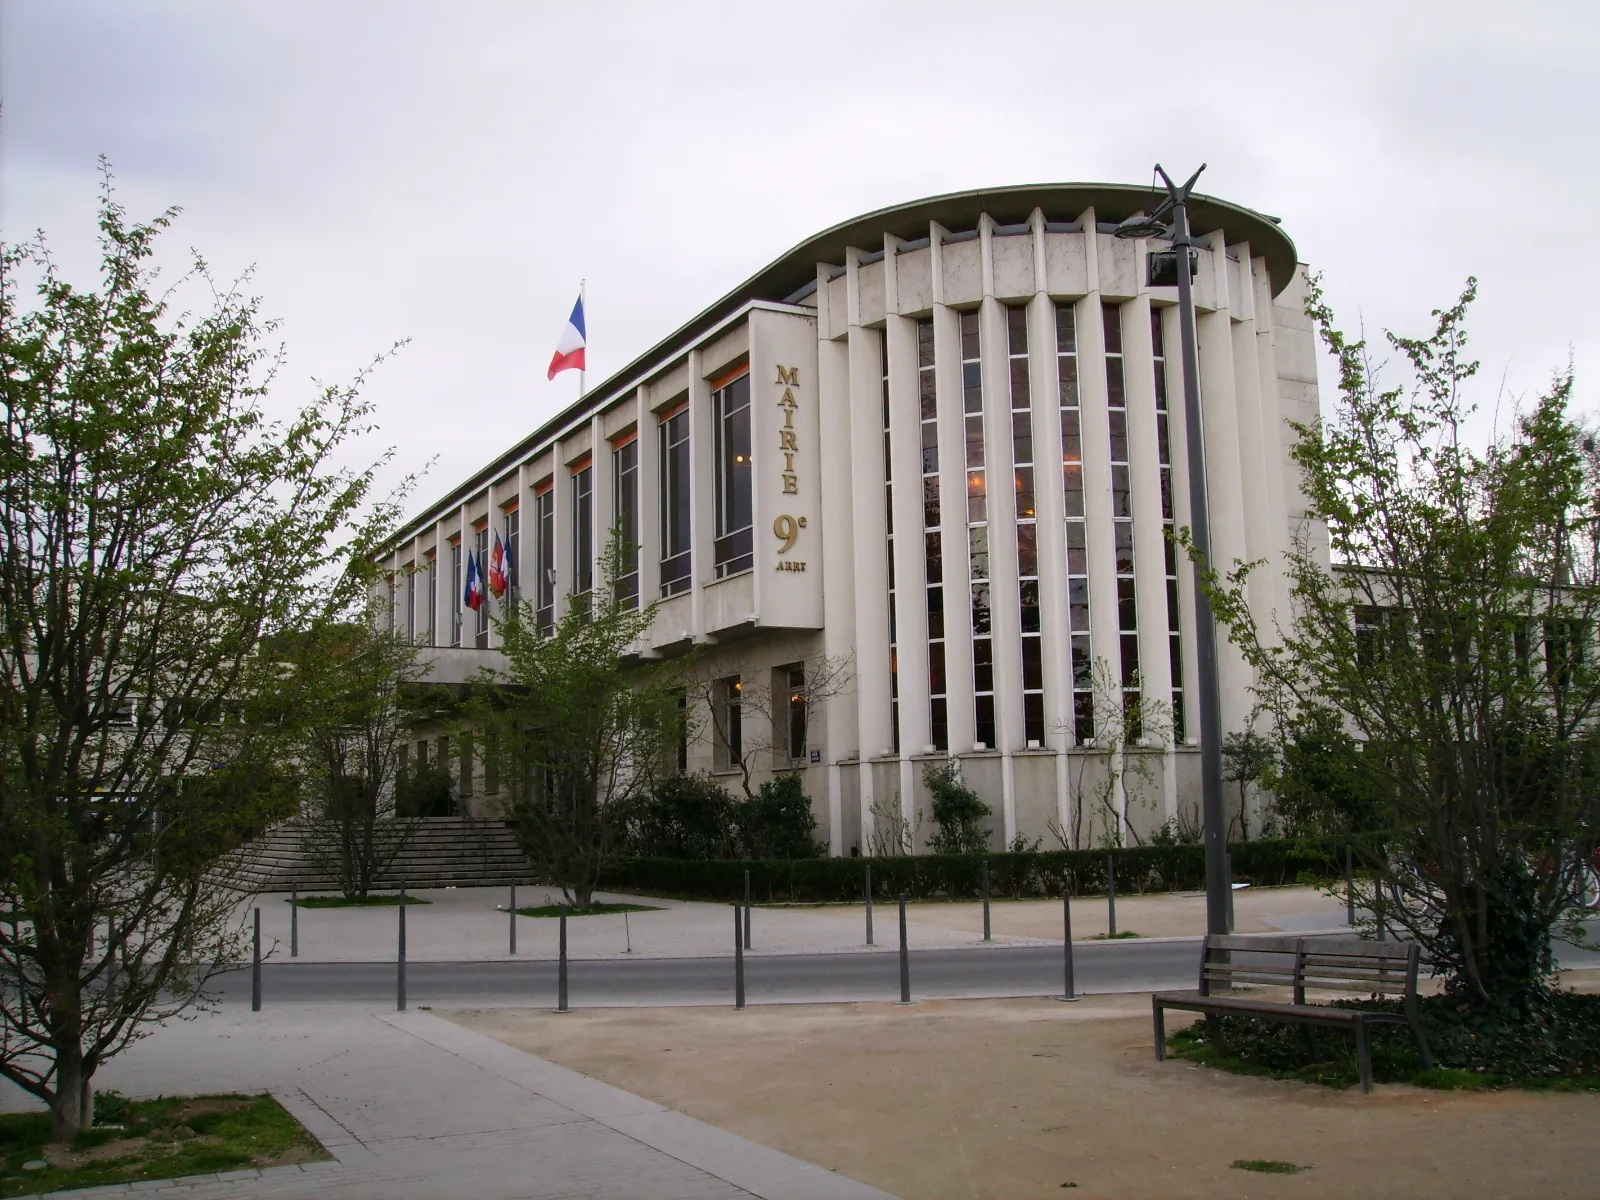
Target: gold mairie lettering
point(789, 375)
point(786, 439)
point(791, 484)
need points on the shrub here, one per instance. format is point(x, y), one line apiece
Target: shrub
point(1038, 873)
point(958, 812)
point(687, 816)
point(777, 821)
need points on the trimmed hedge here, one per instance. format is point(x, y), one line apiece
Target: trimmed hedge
point(959, 876)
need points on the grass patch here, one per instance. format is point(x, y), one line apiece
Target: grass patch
point(1120, 936)
point(1267, 1166)
point(593, 910)
point(371, 901)
point(153, 1139)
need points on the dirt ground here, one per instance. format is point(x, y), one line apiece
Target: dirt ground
point(1168, 914)
point(1014, 1099)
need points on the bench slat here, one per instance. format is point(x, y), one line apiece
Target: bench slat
point(1234, 941)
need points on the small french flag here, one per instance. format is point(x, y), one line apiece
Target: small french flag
point(569, 350)
point(472, 595)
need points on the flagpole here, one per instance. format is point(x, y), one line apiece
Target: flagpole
point(583, 383)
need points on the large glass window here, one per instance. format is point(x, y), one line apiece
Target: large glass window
point(457, 583)
point(1027, 527)
point(411, 602)
point(480, 618)
point(625, 502)
point(1122, 514)
point(794, 725)
point(582, 534)
point(1168, 523)
point(888, 534)
point(673, 440)
point(932, 548)
point(734, 548)
point(544, 508)
point(983, 731)
point(433, 598)
point(1082, 659)
point(513, 548)
point(730, 723)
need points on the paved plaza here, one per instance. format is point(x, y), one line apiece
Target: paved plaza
point(415, 1108)
point(471, 925)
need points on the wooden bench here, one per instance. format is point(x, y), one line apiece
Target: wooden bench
point(1342, 964)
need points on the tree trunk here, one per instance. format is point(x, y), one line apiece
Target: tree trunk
point(73, 1107)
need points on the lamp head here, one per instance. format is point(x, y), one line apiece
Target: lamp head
point(1141, 227)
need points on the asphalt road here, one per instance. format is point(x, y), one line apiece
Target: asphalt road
point(988, 971)
point(1122, 966)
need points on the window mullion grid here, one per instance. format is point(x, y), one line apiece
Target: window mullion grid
point(1027, 528)
point(1081, 648)
point(544, 504)
point(888, 530)
point(983, 731)
point(932, 547)
point(1122, 516)
point(1168, 523)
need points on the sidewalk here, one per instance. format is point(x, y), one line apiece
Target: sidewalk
point(416, 1108)
point(471, 925)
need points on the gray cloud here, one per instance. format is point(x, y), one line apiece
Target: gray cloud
point(449, 173)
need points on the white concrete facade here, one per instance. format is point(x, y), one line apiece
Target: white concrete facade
point(858, 476)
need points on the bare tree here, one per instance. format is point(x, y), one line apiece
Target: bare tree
point(1112, 774)
point(759, 725)
point(360, 681)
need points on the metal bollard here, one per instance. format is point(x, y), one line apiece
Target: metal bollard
point(255, 968)
point(747, 910)
point(1111, 894)
point(1349, 889)
point(738, 960)
point(869, 904)
point(294, 920)
point(400, 958)
point(1069, 990)
point(986, 900)
point(905, 957)
point(511, 917)
point(561, 966)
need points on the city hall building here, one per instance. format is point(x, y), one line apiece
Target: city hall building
point(907, 494)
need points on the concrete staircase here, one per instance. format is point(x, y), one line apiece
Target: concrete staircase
point(438, 852)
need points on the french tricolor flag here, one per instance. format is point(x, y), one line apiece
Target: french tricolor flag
point(569, 350)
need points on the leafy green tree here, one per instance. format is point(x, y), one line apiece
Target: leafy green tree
point(585, 727)
point(1445, 669)
point(777, 822)
point(958, 812)
point(157, 526)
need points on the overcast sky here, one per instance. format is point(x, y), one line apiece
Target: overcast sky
point(447, 172)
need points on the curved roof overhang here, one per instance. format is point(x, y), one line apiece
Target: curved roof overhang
point(955, 211)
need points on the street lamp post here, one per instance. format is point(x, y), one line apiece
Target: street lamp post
point(1208, 692)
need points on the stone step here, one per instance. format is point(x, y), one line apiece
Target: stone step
point(439, 852)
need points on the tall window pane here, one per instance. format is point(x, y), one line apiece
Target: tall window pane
point(1168, 522)
point(673, 442)
point(1122, 514)
point(984, 731)
point(433, 599)
point(1027, 527)
point(1079, 648)
point(582, 534)
point(457, 583)
point(544, 506)
point(480, 618)
point(932, 550)
point(734, 548)
point(625, 502)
